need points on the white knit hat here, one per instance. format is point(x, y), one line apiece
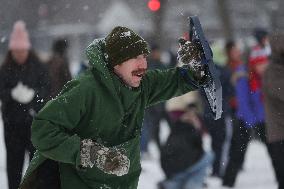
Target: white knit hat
point(180, 103)
point(19, 38)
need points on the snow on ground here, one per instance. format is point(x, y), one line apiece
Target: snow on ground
point(257, 173)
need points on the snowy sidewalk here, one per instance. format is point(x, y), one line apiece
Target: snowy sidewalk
point(257, 173)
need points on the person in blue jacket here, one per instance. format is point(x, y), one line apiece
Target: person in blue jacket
point(246, 121)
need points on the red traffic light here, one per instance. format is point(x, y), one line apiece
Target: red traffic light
point(154, 5)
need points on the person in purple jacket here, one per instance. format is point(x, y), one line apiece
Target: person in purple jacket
point(247, 122)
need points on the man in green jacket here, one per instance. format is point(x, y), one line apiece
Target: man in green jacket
point(91, 130)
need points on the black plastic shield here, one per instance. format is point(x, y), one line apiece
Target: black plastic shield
point(213, 88)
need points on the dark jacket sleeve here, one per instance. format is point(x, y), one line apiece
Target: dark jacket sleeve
point(161, 85)
point(5, 90)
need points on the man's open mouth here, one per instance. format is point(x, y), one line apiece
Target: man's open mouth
point(139, 73)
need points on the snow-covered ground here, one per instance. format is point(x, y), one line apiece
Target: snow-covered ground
point(257, 173)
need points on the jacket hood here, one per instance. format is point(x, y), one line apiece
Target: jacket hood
point(96, 55)
point(99, 65)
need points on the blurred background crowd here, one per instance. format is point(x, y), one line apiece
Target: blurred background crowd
point(42, 47)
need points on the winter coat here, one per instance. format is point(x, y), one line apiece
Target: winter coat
point(34, 75)
point(258, 56)
point(244, 98)
point(97, 105)
point(273, 90)
point(227, 89)
point(182, 149)
point(59, 73)
point(155, 113)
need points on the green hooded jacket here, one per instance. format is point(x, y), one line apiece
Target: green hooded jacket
point(97, 105)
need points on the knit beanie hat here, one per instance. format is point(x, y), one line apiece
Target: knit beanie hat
point(260, 33)
point(19, 38)
point(123, 44)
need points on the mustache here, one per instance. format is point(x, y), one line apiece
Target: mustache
point(139, 71)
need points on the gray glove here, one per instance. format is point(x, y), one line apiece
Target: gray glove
point(111, 160)
point(189, 55)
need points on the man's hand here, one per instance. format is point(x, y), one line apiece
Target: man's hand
point(188, 51)
point(110, 160)
point(189, 55)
